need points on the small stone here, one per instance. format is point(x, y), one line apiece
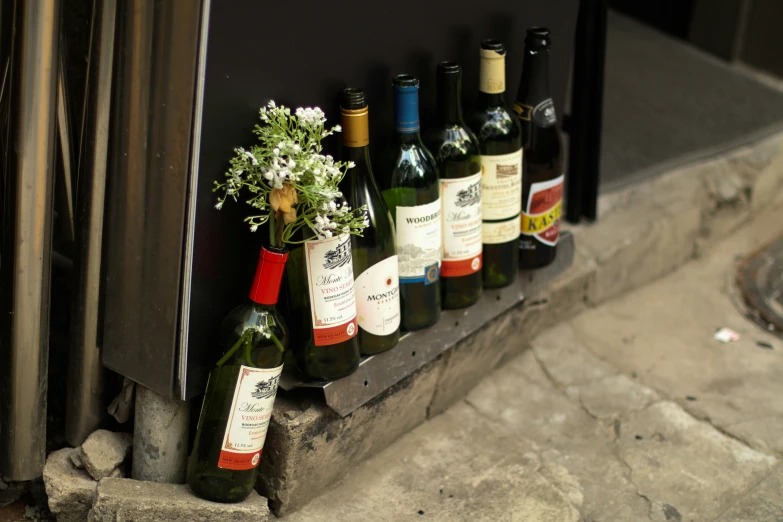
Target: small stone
point(103, 451)
point(291, 414)
point(70, 491)
point(139, 501)
point(117, 473)
point(690, 398)
point(421, 512)
point(76, 459)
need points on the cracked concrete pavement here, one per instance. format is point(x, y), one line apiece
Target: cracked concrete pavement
point(630, 411)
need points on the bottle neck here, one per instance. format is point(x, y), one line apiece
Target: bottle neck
point(449, 99)
point(406, 112)
point(492, 78)
point(269, 275)
point(534, 87)
point(355, 125)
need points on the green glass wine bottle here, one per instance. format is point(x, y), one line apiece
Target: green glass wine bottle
point(500, 141)
point(241, 390)
point(374, 252)
point(456, 151)
point(322, 284)
point(414, 201)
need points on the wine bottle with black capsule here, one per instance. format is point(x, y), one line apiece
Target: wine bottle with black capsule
point(374, 252)
point(241, 390)
point(456, 152)
point(414, 201)
point(542, 187)
point(500, 141)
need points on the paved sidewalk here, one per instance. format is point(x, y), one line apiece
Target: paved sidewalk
point(630, 411)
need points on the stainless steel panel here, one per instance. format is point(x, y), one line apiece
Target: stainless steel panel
point(27, 241)
point(380, 372)
point(158, 44)
point(86, 401)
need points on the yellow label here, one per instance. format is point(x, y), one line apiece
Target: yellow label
point(530, 225)
point(356, 127)
point(492, 75)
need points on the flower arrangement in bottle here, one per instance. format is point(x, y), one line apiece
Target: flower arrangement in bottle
point(291, 185)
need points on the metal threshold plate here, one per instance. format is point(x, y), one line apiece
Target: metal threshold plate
point(380, 372)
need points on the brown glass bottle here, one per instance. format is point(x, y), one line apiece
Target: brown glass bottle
point(542, 178)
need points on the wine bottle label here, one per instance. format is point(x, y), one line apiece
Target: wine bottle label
point(330, 282)
point(541, 215)
point(543, 114)
point(248, 421)
point(492, 72)
point(461, 199)
point(378, 297)
point(419, 242)
point(501, 196)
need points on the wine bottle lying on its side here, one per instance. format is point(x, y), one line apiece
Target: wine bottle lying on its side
point(241, 390)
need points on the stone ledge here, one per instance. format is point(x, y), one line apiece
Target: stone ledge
point(645, 232)
point(132, 500)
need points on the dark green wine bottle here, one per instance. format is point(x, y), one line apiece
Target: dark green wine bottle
point(414, 202)
point(456, 152)
point(241, 391)
point(500, 141)
point(321, 277)
point(374, 252)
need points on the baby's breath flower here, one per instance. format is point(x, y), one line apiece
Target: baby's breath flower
point(288, 157)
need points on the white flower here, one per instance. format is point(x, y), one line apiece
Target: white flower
point(276, 151)
point(332, 206)
point(253, 228)
point(337, 128)
point(272, 104)
point(351, 164)
point(219, 205)
point(268, 175)
point(328, 233)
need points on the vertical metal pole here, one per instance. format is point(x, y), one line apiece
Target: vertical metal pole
point(86, 404)
point(26, 259)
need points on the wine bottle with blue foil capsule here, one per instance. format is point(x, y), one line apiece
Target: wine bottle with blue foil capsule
point(414, 201)
point(500, 141)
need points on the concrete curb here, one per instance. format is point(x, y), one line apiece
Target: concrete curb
point(645, 232)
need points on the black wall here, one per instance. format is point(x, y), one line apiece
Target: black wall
point(302, 54)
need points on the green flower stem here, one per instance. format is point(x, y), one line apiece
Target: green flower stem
point(242, 339)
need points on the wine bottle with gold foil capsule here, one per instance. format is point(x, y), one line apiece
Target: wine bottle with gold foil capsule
point(241, 390)
point(374, 252)
point(542, 187)
point(456, 151)
point(500, 142)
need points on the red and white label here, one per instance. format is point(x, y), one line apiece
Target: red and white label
point(330, 282)
point(461, 199)
point(541, 215)
point(251, 410)
point(378, 297)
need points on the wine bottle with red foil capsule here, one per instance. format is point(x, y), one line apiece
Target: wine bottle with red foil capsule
point(241, 390)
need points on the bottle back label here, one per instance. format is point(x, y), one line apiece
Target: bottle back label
point(419, 242)
point(251, 409)
point(541, 215)
point(331, 287)
point(378, 297)
point(461, 199)
point(501, 196)
point(543, 114)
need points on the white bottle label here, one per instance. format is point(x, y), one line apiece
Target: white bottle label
point(251, 410)
point(461, 199)
point(501, 191)
point(330, 283)
point(419, 242)
point(378, 298)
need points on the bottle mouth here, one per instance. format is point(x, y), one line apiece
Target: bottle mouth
point(353, 98)
point(537, 37)
point(276, 250)
point(405, 80)
point(448, 68)
point(492, 44)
